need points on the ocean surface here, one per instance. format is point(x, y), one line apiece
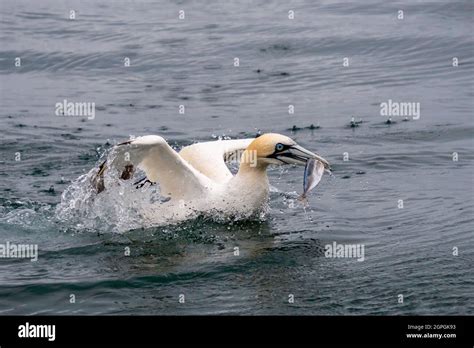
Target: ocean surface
point(403, 189)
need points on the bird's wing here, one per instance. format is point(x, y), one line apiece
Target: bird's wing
point(176, 177)
point(210, 157)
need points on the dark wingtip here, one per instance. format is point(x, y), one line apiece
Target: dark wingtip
point(125, 143)
point(98, 180)
point(127, 172)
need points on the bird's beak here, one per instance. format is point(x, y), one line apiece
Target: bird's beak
point(296, 154)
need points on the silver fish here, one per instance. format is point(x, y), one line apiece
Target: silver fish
point(313, 173)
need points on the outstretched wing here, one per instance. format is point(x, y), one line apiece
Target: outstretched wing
point(177, 178)
point(210, 157)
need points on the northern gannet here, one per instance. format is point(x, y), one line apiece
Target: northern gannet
point(197, 179)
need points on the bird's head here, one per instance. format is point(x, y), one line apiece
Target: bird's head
point(271, 148)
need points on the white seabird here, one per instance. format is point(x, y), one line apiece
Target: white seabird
point(197, 179)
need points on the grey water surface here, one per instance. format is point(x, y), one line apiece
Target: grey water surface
point(424, 164)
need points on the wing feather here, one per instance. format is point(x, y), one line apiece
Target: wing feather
point(209, 157)
point(176, 177)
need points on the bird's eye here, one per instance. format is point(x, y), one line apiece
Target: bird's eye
point(279, 147)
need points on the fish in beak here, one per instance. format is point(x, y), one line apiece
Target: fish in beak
point(313, 172)
point(314, 164)
point(296, 154)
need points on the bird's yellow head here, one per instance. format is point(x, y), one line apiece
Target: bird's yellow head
point(272, 148)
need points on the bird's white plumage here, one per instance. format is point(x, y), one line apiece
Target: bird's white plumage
point(208, 157)
point(162, 164)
